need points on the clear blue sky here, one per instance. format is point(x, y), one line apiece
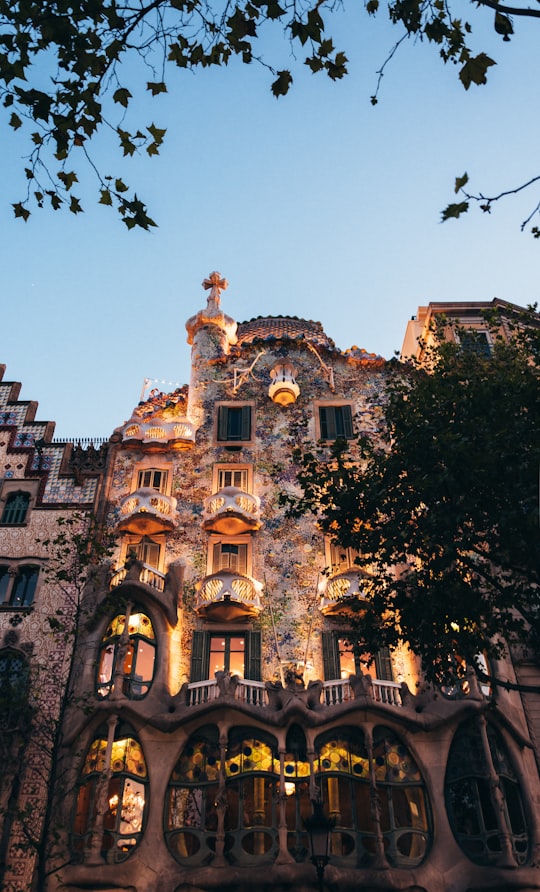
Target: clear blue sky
point(316, 205)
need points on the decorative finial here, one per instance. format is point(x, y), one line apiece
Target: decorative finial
point(217, 284)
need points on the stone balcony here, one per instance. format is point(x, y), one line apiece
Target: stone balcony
point(177, 434)
point(226, 596)
point(147, 511)
point(340, 592)
point(139, 573)
point(231, 511)
point(327, 693)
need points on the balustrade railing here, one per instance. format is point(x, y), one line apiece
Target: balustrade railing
point(149, 575)
point(386, 692)
point(254, 692)
point(338, 691)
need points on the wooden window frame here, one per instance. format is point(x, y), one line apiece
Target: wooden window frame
point(247, 409)
point(348, 421)
point(200, 652)
point(223, 467)
point(214, 541)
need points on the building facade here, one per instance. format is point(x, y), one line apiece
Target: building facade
point(41, 484)
point(224, 684)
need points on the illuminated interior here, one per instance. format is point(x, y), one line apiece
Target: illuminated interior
point(110, 816)
point(138, 656)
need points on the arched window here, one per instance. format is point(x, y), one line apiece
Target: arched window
point(13, 682)
point(138, 655)
point(15, 508)
point(111, 797)
point(477, 765)
point(405, 817)
point(252, 780)
point(344, 775)
point(191, 818)
point(24, 586)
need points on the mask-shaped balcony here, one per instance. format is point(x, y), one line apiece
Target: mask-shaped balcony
point(178, 434)
point(226, 596)
point(147, 511)
point(342, 593)
point(231, 511)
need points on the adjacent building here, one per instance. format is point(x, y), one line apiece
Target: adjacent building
point(42, 483)
point(221, 670)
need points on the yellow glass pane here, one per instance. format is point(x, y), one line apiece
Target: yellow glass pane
point(95, 759)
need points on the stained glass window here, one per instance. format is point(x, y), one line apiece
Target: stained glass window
point(120, 799)
point(472, 809)
point(344, 774)
point(138, 658)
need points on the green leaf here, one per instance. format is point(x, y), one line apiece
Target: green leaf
point(372, 6)
point(274, 10)
point(454, 210)
point(126, 142)
point(15, 121)
point(20, 211)
point(68, 178)
point(156, 133)
point(120, 186)
point(155, 88)
point(56, 201)
point(75, 206)
point(461, 182)
point(105, 197)
point(314, 63)
point(281, 85)
point(474, 70)
point(122, 96)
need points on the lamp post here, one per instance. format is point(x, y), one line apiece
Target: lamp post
point(319, 828)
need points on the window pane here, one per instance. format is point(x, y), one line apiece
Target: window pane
point(15, 508)
point(236, 656)
point(217, 655)
point(233, 477)
point(4, 583)
point(24, 586)
point(346, 658)
point(152, 477)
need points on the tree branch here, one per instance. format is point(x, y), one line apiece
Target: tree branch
point(510, 10)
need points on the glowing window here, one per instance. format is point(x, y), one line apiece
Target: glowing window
point(343, 769)
point(138, 656)
point(191, 801)
point(119, 827)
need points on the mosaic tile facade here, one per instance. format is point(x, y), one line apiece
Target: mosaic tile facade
point(252, 708)
point(231, 681)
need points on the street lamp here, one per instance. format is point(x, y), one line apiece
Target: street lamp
point(319, 828)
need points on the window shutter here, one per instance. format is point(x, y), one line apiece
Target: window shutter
point(246, 423)
point(200, 656)
point(326, 421)
point(252, 659)
point(346, 417)
point(330, 655)
point(383, 665)
point(223, 417)
point(242, 559)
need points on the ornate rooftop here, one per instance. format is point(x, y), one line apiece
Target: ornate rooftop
point(277, 327)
